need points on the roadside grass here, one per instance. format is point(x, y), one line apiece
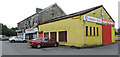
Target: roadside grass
point(119, 36)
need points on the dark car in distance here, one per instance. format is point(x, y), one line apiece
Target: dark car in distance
point(42, 42)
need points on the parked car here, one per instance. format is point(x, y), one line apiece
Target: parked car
point(38, 43)
point(3, 37)
point(17, 39)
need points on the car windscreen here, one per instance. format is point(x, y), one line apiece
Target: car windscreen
point(35, 39)
point(20, 38)
point(44, 39)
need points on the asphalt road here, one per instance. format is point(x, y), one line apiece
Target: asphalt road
point(23, 49)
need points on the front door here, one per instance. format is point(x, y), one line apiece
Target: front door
point(106, 34)
point(30, 36)
point(40, 34)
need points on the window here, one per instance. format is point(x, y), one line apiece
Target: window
point(35, 20)
point(90, 31)
point(63, 36)
point(53, 36)
point(46, 34)
point(86, 30)
point(97, 32)
point(27, 22)
point(94, 30)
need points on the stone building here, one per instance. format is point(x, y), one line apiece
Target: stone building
point(28, 29)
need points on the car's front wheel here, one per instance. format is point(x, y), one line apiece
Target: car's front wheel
point(38, 46)
point(32, 46)
point(12, 41)
point(56, 45)
point(24, 41)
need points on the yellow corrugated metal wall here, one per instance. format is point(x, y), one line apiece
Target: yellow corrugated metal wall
point(73, 26)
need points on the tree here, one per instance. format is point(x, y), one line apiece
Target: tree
point(4, 30)
point(0, 29)
point(9, 31)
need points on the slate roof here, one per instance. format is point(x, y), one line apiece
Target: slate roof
point(43, 10)
point(76, 14)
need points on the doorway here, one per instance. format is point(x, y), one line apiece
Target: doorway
point(106, 34)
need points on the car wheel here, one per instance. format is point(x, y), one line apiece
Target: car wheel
point(56, 45)
point(38, 46)
point(12, 41)
point(32, 46)
point(24, 41)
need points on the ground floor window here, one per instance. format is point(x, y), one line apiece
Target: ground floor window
point(34, 35)
point(63, 36)
point(86, 30)
point(97, 32)
point(46, 34)
point(94, 30)
point(27, 36)
point(53, 36)
point(90, 31)
point(30, 36)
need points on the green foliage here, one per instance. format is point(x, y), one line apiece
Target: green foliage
point(8, 31)
point(119, 31)
point(118, 36)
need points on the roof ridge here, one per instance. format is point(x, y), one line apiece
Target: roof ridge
point(47, 7)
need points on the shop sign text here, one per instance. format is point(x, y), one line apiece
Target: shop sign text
point(97, 20)
point(31, 30)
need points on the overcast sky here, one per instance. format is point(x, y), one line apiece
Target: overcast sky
point(14, 11)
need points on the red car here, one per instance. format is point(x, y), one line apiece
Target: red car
point(38, 43)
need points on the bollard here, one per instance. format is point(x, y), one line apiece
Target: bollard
point(116, 41)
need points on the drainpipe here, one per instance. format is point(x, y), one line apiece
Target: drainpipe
point(83, 31)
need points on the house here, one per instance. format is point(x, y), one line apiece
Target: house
point(28, 27)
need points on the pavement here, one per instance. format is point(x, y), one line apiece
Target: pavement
point(24, 49)
point(0, 48)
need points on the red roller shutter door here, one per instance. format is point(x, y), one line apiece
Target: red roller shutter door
point(106, 35)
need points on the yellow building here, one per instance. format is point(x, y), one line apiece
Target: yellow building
point(89, 27)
